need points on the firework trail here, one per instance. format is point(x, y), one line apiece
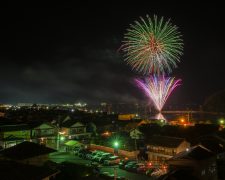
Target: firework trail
point(158, 88)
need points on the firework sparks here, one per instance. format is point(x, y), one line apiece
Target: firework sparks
point(158, 89)
point(152, 46)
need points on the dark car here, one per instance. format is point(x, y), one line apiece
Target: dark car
point(123, 163)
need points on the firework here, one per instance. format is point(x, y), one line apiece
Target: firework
point(160, 116)
point(158, 89)
point(152, 46)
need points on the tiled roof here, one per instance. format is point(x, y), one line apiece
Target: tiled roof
point(165, 141)
point(196, 153)
point(26, 150)
point(14, 170)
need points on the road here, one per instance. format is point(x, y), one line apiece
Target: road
point(65, 156)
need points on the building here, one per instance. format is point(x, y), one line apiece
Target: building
point(27, 153)
point(74, 130)
point(19, 171)
point(44, 133)
point(136, 134)
point(10, 135)
point(161, 148)
point(198, 161)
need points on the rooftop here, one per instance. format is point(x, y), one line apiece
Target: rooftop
point(165, 141)
point(196, 153)
point(26, 150)
point(14, 170)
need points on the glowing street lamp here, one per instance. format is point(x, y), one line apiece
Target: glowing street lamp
point(116, 144)
point(62, 138)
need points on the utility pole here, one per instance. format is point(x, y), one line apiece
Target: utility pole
point(135, 143)
point(115, 173)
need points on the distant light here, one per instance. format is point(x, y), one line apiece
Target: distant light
point(72, 110)
point(221, 121)
point(162, 120)
point(187, 149)
point(136, 115)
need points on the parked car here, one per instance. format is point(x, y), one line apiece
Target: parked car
point(92, 154)
point(124, 162)
point(104, 157)
point(112, 160)
point(97, 156)
point(142, 169)
point(83, 153)
point(130, 166)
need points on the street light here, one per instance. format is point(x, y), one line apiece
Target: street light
point(60, 138)
point(116, 144)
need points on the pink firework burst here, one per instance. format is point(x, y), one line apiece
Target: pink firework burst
point(158, 88)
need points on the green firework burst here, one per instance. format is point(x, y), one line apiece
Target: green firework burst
point(152, 45)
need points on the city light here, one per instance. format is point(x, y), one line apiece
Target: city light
point(221, 121)
point(182, 120)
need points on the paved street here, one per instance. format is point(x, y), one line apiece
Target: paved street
point(65, 156)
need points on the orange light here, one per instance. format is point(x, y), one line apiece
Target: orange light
point(150, 164)
point(107, 133)
point(182, 120)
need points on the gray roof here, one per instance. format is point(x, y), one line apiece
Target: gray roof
point(165, 141)
point(196, 153)
point(26, 150)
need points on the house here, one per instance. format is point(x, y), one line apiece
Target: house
point(74, 130)
point(215, 144)
point(161, 148)
point(136, 134)
point(10, 135)
point(199, 161)
point(27, 153)
point(44, 133)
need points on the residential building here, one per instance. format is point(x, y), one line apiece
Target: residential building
point(74, 130)
point(136, 134)
point(161, 148)
point(198, 161)
point(19, 171)
point(10, 135)
point(44, 133)
point(27, 153)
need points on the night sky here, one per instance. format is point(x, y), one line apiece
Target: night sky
point(69, 52)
